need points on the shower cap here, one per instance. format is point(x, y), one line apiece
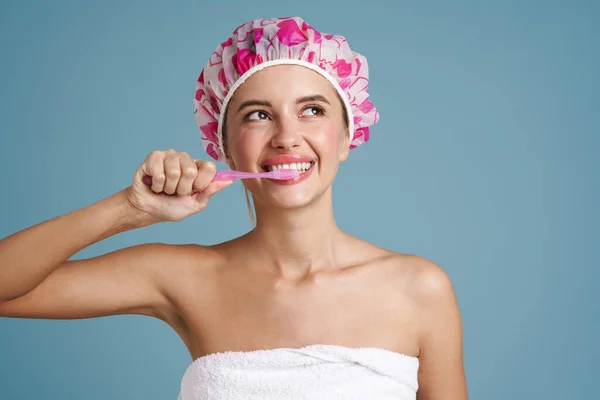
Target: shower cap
point(262, 43)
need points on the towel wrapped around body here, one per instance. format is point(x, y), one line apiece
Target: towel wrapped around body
point(312, 372)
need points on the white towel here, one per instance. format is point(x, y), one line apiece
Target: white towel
point(317, 371)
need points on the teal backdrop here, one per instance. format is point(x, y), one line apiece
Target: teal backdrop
point(485, 161)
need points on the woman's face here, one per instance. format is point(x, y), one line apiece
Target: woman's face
point(287, 116)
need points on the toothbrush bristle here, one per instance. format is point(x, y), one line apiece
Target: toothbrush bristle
point(285, 174)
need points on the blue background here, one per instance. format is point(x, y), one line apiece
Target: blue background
point(485, 161)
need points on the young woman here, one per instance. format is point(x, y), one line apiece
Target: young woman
point(295, 308)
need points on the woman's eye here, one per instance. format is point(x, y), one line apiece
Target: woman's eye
point(257, 115)
point(313, 110)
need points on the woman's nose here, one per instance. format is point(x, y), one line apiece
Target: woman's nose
point(286, 134)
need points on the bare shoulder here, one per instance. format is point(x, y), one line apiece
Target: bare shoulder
point(430, 280)
point(413, 274)
point(176, 264)
point(167, 262)
point(424, 280)
point(186, 255)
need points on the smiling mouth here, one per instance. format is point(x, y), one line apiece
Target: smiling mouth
point(299, 166)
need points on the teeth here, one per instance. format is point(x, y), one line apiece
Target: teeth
point(301, 166)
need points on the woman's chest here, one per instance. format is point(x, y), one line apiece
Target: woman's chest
point(249, 314)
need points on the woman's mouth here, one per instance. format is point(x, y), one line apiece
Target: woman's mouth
point(301, 167)
point(304, 168)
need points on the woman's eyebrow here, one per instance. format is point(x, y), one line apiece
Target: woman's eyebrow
point(311, 98)
point(300, 100)
point(250, 103)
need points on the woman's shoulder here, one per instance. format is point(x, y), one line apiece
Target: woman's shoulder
point(182, 253)
point(423, 278)
point(174, 264)
point(424, 282)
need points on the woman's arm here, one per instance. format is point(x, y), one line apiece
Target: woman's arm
point(441, 370)
point(37, 280)
point(31, 255)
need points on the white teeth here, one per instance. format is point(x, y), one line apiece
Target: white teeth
point(301, 166)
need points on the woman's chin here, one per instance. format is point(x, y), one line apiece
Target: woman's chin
point(289, 197)
point(287, 201)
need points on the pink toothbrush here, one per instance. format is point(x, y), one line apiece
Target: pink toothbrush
point(279, 174)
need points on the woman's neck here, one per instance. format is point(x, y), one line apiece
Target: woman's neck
point(295, 243)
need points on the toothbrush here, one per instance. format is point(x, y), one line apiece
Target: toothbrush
point(279, 174)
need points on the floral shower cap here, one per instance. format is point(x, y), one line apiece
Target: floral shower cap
point(261, 43)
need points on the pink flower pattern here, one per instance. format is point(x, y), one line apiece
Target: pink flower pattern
point(263, 40)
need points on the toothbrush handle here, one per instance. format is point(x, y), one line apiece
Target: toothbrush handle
point(219, 176)
point(228, 175)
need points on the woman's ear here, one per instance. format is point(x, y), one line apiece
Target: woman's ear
point(229, 161)
point(345, 146)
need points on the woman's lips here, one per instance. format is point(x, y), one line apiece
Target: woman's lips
point(287, 159)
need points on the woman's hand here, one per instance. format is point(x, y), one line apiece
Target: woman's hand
point(181, 186)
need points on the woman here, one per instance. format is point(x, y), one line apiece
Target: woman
point(295, 308)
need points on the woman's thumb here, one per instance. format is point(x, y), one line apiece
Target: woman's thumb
point(204, 196)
